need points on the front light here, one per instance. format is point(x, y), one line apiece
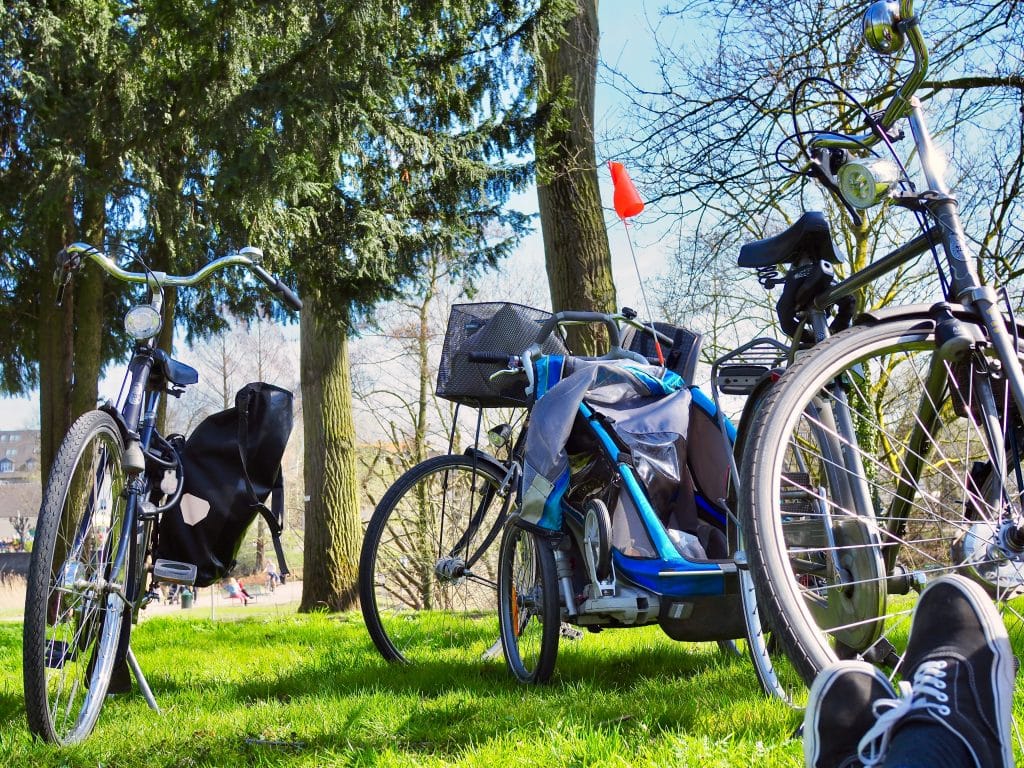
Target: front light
point(142, 322)
point(865, 183)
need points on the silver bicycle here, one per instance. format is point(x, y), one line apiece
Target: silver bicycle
point(889, 452)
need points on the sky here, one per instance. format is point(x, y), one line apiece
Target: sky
point(626, 45)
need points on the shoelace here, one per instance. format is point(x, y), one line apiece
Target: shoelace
point(926, 694)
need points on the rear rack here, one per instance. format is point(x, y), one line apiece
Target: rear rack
point(739, 371)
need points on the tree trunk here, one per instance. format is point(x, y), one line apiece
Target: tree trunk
point(423, 360)
point(333, 527)
point(55, 355)
point(55, 324)
point(88, 355)
point(576, 248)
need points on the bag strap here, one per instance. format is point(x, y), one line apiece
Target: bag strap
point(275, 515)
point(243, 439)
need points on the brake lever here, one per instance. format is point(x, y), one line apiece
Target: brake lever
point(512, 370)
point(67, 263)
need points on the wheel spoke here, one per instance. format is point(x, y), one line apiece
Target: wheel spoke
point(847, 578)
point(412, 594)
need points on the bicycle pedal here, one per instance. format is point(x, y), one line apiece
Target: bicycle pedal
point(175, 572)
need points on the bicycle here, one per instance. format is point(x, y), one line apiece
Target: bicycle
point(888, 452)
point(100, 515)
point(428, 567)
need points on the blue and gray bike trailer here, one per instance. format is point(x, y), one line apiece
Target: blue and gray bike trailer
point(625, 476)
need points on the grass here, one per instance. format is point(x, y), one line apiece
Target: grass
point(289, 690)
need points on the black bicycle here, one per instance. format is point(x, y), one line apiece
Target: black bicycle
point(889, 452)
point(101, 506)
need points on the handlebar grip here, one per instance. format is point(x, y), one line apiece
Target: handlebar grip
point(487, 357)
point(282, 291)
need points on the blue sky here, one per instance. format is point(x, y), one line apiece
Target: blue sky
point(626, 45)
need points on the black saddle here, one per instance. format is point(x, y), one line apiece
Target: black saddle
point(173, 371)
point(809, 236)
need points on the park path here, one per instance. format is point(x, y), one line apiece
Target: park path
point(214, 599)
point(209, 601)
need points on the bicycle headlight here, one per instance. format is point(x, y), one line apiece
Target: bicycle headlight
point(142, 322)
point(865, 183)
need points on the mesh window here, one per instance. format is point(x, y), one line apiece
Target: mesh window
point(629, 534)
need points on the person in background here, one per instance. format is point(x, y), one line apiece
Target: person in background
point(273, 578)
point(235, 590)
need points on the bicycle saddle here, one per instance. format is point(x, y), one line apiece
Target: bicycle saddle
point(173, 371)
point(808, 236)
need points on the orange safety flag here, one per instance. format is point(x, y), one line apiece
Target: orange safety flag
point(626, 198)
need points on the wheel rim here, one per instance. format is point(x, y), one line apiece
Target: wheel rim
point(83, 608)
point(830, 575)
point(434, 568)
point(526, 604)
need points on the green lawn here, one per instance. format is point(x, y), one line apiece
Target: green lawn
point(311, 691)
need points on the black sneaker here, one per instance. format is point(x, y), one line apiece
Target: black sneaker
point(957, 672)
point(840, 711)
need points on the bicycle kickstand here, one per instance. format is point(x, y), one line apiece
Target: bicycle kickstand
point(147, 692)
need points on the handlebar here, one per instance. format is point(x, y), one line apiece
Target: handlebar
point(904, 22)
point(573, 317)
point(488, 357)
point(610, 321)
point(70, 255)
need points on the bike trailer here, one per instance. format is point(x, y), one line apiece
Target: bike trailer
point(231, 465)
point(665, 466)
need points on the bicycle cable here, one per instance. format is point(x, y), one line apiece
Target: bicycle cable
point(904, 181)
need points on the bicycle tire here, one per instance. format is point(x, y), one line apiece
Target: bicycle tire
point(828, 578)
point(528, 605)
point(72, 630)
point(419, 600)
point(775, 673)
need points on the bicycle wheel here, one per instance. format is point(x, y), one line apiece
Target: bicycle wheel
point(772, 666)
point(74, 606)
point(428, 571)
point(528, 610)
point(863, 482)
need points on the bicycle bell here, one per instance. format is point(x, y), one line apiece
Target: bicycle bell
point(881, 32)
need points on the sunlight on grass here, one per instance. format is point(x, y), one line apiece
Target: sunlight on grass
point(291, 690)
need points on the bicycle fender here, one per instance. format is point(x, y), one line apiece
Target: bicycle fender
point(109, 409)
point(486, 458)
point(922, 312)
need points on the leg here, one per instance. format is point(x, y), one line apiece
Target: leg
point(962, 669)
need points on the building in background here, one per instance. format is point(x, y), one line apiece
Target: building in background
point(20, 490)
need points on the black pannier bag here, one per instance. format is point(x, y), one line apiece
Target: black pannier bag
point(232, 464)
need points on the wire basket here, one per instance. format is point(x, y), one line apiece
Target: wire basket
point(497, 328)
